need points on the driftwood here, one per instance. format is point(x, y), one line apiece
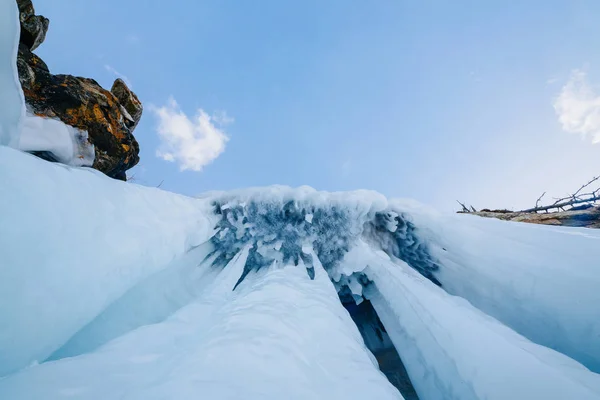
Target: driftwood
point(577, 198)
point(580, 208)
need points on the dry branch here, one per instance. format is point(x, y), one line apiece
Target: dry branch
point(571, 200)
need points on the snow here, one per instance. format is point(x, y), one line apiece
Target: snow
point(11, 95)
point(73, 241)
point(68, 145)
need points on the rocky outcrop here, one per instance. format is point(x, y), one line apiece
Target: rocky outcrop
point(586, 218)
point(132, 106)
point(33, 27)
point(109, 117)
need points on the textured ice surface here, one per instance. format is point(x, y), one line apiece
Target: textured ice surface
point(11, 96)
point(280, 221)
point(61, 142)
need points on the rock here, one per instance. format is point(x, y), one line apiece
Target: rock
point(81, 103)
point(130, 103)
point(584, 218)
point(33, 27)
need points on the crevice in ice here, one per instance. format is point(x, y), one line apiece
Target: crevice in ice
point(379, 343)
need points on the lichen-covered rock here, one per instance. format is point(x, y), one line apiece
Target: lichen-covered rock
point(33, 27)
point(81, 103)
point(129, 101)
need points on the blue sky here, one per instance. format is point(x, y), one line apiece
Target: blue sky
point(489, 102)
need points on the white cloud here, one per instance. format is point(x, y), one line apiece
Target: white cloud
point(118, 75)
point(578, 107)
point(191, 142)
point(132, 39)
point(221, 118)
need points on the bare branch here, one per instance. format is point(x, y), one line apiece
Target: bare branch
point(594, 179)
point(464, 208)
point(537, 203)
point(563, 204)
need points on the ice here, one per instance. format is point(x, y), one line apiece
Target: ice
point(66, 144)
point(151, 301)
point(541, 281)
point(72, 241)
point(29, 132)
point(113, 290)
point(279, 335)
point(453, 351)
point(11, 95)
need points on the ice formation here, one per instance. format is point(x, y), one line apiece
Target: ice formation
point(249, 293)
point(11, 95)
point(112, 290)
point(56, 141)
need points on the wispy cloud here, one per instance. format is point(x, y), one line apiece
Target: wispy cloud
point(578, 107)
point(192, 143)
point(118, 75)
point(132, 39)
